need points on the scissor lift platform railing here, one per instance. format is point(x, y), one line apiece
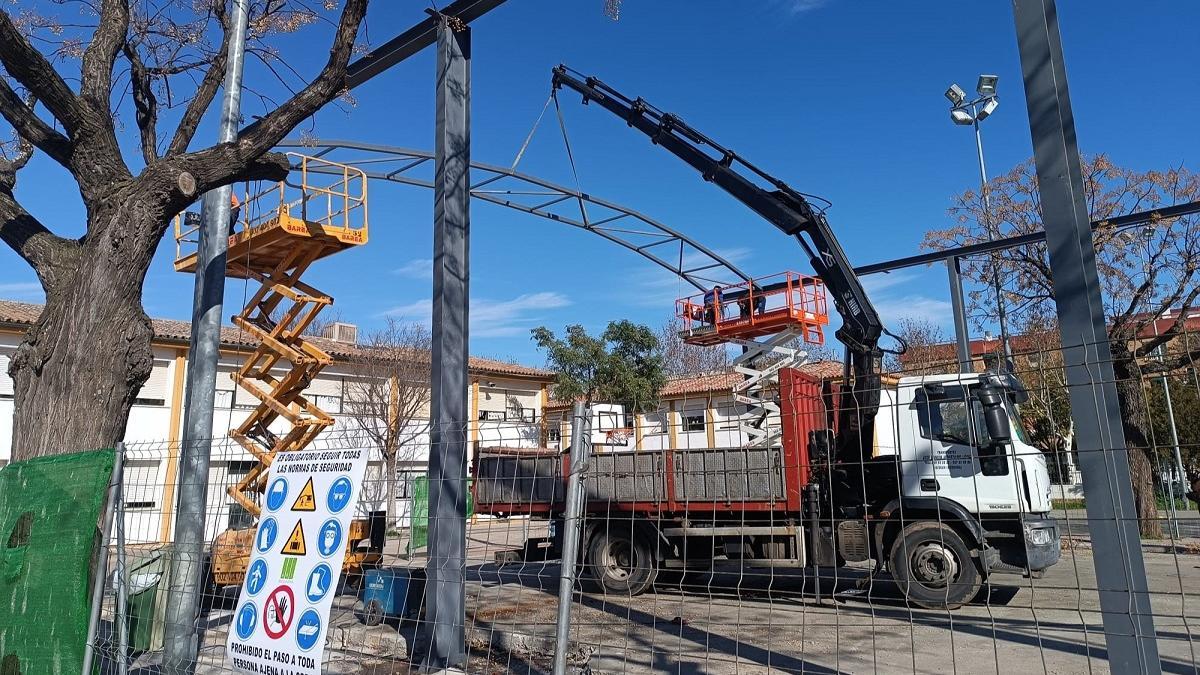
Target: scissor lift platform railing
point(766, 306)
point(278, 241)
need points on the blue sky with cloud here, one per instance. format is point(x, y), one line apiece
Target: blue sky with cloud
point(841, 99)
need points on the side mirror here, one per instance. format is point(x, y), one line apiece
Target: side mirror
point(995, 417)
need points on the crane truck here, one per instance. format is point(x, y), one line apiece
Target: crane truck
point(930, 477)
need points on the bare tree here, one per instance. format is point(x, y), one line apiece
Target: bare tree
point(388, 395)
point(681, 358)
point(1143, 272)
point(928, 353)
point(65, 87)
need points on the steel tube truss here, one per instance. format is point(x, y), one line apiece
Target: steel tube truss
point(666, 247)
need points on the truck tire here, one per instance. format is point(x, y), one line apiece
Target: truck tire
point(621, 561)
point(933, 566)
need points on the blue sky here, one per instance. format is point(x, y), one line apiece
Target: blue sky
point(841, 99)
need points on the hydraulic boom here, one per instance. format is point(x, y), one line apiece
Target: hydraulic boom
point(788, 210)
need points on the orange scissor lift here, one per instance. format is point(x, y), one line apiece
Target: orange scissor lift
point(284, 230)
point(766, 316)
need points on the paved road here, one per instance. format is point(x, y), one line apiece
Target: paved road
point(1076, 522)
point(756, 621)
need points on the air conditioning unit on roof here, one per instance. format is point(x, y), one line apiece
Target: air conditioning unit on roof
point(341, 332)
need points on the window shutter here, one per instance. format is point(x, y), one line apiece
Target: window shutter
point(6, 383)
point(158, 386)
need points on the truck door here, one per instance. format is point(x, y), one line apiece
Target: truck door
point(953, 456)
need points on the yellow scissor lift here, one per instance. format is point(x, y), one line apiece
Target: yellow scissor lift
point(283, 231)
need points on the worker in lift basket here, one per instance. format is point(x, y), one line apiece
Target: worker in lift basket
point(760, 301)
point(235, 210)
point(712, 300)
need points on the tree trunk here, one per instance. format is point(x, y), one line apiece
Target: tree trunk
point(81, 364)
point(390, 467)
point(1142, 460)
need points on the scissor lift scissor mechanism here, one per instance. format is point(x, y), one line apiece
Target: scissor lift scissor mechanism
point(284, 230)
point(766, 317)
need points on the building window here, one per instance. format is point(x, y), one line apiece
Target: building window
point(693, 422)
point(330, 404)
point(554, 434)
point(239, 517)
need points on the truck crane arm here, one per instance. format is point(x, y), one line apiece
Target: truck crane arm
point(790, 211)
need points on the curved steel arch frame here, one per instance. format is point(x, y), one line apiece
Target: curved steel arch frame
point(666, 247)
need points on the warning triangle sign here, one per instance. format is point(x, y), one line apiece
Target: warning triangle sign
point(306, 500)
point(295, 542)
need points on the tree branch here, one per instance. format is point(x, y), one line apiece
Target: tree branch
point(205, 92)
point(145, 103)
point(32, 128)
point(49, 255)
point(101, 54)
point(267, 132)
point(32, 70)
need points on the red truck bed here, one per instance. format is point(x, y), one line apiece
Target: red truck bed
point(672, 481)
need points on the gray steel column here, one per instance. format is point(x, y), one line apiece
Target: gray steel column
point(444, 634)
point(180, 644)
point(581, 444)
point(962, 338)
point(1112, 514)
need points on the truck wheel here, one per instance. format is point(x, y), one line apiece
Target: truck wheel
point(933, 567)
point(621, 562)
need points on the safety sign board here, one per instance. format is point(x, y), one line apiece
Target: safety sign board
point(282, 615)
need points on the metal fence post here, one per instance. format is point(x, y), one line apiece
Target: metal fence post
point(962, 338)
point(181, 645)
point(121, 619)
point(444, 637)
point(581, 446)
point(1112, 514)
point(100, 573)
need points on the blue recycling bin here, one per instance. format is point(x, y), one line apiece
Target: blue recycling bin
point(392, 593)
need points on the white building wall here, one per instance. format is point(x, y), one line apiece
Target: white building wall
point(517, 405)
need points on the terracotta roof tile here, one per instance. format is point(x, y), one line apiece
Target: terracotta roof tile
point(22, 314)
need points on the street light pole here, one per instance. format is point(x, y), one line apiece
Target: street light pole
point(980, 109)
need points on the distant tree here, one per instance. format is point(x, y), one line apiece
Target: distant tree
point(1143, 273)
point(929, 350)
point(623, 365)
point(82, 88)
point(388, 393)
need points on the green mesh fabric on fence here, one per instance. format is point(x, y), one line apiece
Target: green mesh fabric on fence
point(418, 519)
point(49, 508)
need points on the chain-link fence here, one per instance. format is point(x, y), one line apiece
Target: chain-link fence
point(958, 542)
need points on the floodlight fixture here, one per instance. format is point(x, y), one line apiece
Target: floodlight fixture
point(961, 116)
point(987, 85)
point(956, 95)
point(988, 108)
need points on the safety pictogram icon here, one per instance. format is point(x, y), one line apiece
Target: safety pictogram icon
point(309, 630)
point(277, 493)
point(279, 610)
point(268, 529)
point(339, 494)
point(295, 542)
point(247, 619)
point(306, 500)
